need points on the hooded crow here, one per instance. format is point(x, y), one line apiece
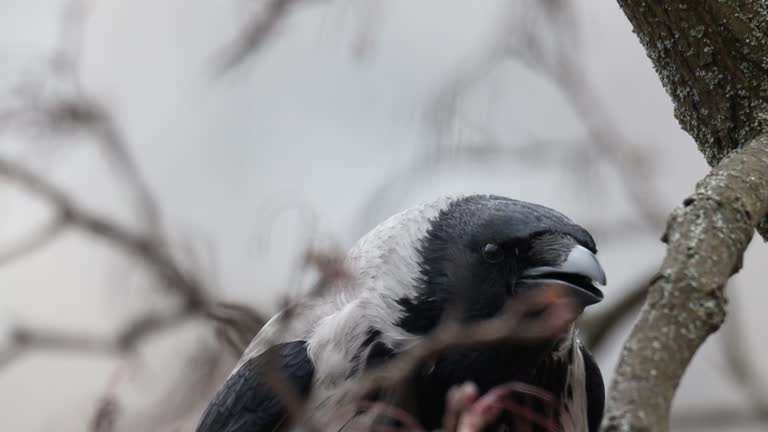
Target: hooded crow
point(479, 252)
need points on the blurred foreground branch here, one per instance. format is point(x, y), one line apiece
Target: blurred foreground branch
point(535, 317)
point(514, 324)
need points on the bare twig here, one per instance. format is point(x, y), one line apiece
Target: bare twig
point(519, 41)
point(389, 193)
point(237, 324)
point(77, 113)
point(609, 141)
point(116, 150)
point(33, 241)
point(26, 339)
point(149, 250)
point(69, 108)
point(255, 32)
point(108, 408)
point(597, 328)
point(72, 26)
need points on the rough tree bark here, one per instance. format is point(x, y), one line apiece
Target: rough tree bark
point(707, 236)
point(712, 57)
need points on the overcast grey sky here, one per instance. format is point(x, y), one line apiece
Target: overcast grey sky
point(305, 124)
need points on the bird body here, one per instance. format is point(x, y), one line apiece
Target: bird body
point(479, 252)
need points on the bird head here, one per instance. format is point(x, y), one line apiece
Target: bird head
point(480, 252)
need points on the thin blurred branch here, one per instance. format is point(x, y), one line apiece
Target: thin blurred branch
point(258, 29)
point(70, 113)
point(33, 241)
point(387, 196)
point(519, 41)
point(148, 246)
point(597, 328)
point(60, 104)
point(237, 324)
point(148, 249)
point(117, 152)
point(70, 110)
point(553, 55)
point(108, 407)
point(27, 339)
point(72, 26)
point(611, 144)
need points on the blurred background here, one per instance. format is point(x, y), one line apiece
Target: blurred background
point(231, 138)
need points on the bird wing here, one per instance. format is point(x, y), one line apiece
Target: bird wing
point(595, 389)
point(247, 401)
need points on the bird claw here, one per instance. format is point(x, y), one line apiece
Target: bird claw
point(467, 411)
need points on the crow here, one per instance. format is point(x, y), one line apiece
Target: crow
point(472, 254)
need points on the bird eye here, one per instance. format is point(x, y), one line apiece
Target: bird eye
point(493, 253)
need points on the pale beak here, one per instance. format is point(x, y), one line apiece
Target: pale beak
point(579, 272)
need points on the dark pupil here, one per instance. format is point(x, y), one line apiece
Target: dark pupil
point(493, 253)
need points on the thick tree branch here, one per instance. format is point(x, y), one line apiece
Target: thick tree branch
point(707, 236)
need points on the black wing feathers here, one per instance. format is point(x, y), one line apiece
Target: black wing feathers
point(595, 391)
point(247, 403)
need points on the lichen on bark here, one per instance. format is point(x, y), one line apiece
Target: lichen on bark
point(712, 58)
